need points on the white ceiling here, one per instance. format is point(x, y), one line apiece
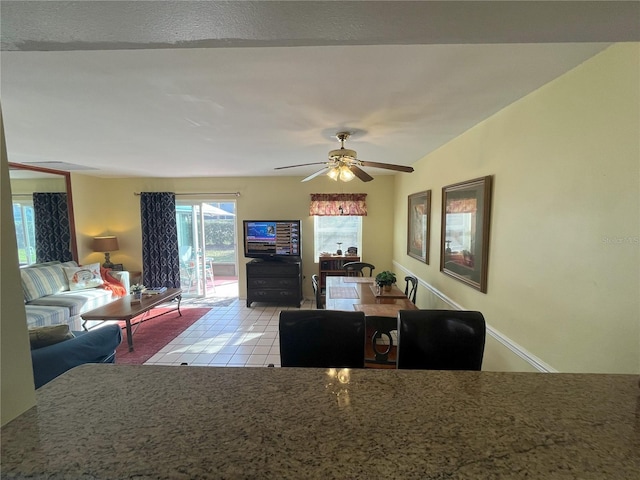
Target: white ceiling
point(189, 89)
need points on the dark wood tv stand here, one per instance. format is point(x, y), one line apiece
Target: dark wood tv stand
point(274, 281)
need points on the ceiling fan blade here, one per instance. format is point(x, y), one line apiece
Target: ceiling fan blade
point(388, 166)
point(317, 174)
point(361, 174)
point(301, 165)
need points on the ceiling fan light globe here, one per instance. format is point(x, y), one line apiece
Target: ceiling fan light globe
point(346, 175)
point(333, 174)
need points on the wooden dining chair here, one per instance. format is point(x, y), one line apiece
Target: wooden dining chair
point(440, 339)
point(411, 288)
point(357, 269)
point(322, 338)
point(317, 291)
point(380, 348)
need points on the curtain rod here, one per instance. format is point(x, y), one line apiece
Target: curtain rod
point(229, 194)
point(22, 194)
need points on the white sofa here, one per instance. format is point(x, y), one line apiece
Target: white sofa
point(58, 293)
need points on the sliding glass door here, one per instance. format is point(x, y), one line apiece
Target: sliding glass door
point(207, 244)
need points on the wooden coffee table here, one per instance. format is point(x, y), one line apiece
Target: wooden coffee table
point(123, 309)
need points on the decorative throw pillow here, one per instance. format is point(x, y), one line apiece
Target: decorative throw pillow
point(49, 335)
point(86, 276)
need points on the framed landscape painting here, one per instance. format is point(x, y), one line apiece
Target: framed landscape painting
point(419, 226)
point(464, 246)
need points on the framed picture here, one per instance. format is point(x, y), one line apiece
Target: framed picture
point(419, 226)
point(118, 267)
point(464, 246)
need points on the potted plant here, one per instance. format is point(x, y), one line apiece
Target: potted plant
point(386, 279)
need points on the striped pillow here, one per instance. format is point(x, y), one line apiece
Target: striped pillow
point(41, 281)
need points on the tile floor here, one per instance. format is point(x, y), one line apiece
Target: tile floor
point(230, 334)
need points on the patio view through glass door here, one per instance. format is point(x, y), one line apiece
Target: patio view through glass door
point(207, 247)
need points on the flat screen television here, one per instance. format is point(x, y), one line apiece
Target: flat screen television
point(272, 239)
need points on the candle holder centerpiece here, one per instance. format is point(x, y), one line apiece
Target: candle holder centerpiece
point(136, 292)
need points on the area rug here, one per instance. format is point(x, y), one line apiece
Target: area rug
point(151, 335)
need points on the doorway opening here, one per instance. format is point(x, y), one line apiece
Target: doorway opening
point(207, 245)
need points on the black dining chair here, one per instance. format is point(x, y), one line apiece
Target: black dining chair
point(380, 348)
point(357, 269)
point(317, 292)
point(411, 288)
point(322, 338)
point(440, 339)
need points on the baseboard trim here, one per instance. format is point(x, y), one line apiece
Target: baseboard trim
point(505, 341)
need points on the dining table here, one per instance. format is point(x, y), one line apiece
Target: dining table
point(101, 421)
point(362, 294)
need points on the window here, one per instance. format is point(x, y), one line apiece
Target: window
point(23, 218)
point(331, 230)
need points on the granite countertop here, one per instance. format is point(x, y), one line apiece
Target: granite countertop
point(157, 422)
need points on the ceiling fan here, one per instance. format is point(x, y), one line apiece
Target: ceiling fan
point(344, 165)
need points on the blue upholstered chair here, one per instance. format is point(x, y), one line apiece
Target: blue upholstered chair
point(97, 345)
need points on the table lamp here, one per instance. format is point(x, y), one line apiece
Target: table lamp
point(105, 244)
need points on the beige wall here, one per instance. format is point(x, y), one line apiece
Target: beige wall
point(25, 186)
point(16, 376)
point(564, 276)
point(93, 203)
point(114, 209)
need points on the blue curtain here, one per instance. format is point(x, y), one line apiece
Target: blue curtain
point(52, 232)
point(160, 262)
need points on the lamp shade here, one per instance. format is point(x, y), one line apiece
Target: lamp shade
point(105, 244)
